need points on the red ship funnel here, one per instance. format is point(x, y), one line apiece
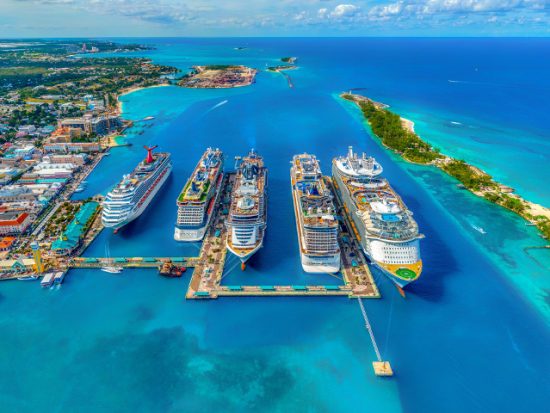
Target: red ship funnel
point(149, 150)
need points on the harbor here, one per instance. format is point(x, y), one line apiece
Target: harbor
point(206, 281)
point(209, 265)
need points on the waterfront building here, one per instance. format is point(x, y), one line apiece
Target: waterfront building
point(198, 197)
point(16, 193)
point(379, 218)
point(72, 147)
point(316, 223)
point(6, 243)
point(101, 125)
point(14, 222)
point(73, 234)
point(78, 159)
point(19, 266)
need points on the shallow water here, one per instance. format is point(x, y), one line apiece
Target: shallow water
point(471, 335)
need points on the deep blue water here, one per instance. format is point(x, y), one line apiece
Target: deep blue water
point(472, 333)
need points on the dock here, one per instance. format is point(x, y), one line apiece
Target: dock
point(206, 279)
point(130, 262)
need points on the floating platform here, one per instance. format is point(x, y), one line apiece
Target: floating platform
point(382, 368)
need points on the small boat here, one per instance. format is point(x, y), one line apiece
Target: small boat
point(479, 229)
point(28, 278)
point(149, 118)
point(79, 188)
point(112, 270)
point(170, 270)
point(47, 280)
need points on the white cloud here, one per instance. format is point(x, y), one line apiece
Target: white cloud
point(344, 10)
point(439, 7)
point(341, 11)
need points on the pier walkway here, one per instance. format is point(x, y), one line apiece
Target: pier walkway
point(130, 262)
point(206, 279)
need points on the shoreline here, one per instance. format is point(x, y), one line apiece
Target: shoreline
point(494, 192)
point(133, 89)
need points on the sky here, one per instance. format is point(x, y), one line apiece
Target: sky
point(145, 18)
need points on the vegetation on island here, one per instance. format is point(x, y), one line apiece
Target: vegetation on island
point(472, 179)
point(389, 128)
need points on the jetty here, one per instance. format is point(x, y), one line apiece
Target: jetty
point(208, 267)
point(206, 280)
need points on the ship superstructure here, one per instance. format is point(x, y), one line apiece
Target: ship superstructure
point(381, 221)
point(199, 196)
point(247, 214)
point(316, 223)
point(135, 191)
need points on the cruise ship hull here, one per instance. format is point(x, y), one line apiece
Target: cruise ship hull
point(244, 254)
point(197, 234)
point(190, 235)
point(316, 264)
point(387, 269)
point(137, 211)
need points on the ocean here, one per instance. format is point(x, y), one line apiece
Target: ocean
point(472, 333)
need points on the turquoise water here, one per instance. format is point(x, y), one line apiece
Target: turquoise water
point(472, 333)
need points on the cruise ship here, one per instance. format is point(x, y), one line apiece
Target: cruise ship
point(135, 191)
point(316, 223)
point(381, 221)
point(246, 223)
point(199, 196)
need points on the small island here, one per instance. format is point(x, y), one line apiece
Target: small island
point(290, 60)
point(398, 134)
point(218, 77)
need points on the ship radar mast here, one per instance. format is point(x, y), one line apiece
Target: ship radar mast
point(149, 150)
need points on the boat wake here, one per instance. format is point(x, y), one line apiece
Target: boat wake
point(479, 229)
point(223, 102)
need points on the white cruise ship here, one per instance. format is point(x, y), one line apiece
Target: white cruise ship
point(384, 226)
point(135, 192)
point(198, 198)
point(247, 215)
point(316, 223)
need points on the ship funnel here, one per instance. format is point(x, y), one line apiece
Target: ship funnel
point(149, 150)
point(350, 152)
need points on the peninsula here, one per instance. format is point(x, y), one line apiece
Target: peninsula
point(218, 77)
point(398, 134)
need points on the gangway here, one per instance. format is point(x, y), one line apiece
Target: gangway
point(381, 368)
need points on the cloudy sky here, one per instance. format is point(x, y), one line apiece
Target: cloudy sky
point(84, 18)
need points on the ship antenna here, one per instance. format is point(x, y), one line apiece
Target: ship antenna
point(149, 150)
